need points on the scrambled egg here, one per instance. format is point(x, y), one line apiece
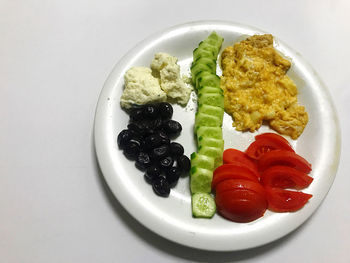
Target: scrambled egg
point(257, 89)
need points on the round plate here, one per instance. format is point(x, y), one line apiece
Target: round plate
point(171, 217)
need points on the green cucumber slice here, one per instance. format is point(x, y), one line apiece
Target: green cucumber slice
point(203, 119)
point(216, 38)
point(214, 99)
point(213, 152)
point(202, 161)
point(211, 142)
point(208, 47)
point(202, 53)
point(201, 180)
point(207, 89)
point(205, 78)
point(212, 132)
point(211, 110)
point(211, 63)
point(203, 205)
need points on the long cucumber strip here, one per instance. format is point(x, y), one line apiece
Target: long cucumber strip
point(207, 125)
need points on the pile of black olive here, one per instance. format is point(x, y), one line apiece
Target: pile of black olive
point(147, 141)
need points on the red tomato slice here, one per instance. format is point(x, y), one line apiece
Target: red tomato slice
point(235, 184)
point(285, 177)
point(273, 137)
point(267, 142)
point(280, 200)
point(232, 171)
point(240, 205)
point(281, 157)
point(233, 156)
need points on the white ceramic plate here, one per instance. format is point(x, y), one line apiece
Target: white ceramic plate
point(171, 217)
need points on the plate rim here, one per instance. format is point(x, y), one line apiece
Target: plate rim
point(188, 238)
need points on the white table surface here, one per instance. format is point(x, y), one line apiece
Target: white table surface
point(54, 59)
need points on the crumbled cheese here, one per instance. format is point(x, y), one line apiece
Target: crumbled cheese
point(141, 88)
point(166, 68)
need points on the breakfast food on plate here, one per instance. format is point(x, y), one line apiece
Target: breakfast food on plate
point(165, 67)
point(254, 88)
point(245, 187)
point(163, 81)
point(141, 88)
point(257, 89)
point(147, 141)
point(207, 125)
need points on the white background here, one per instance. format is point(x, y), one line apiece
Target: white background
point(54, 59)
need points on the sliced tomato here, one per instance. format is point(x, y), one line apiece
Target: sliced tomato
point(267, 142)
point(280, 200)
point(234, 155)
point(240, 205)
point(273, 137)
point(235, 184)
point(282, 157)
point(232, 171)
point(285, 177)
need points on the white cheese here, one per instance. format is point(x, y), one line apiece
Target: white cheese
point(166, 68)
point(141, 88)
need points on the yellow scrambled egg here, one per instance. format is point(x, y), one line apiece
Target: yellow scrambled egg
point(257, 89)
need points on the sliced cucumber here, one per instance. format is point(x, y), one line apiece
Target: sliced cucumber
point(207, 89)
point(207, 124)
point(212, 132)
point(201, 180)
point(205, 78)
point(203, 119)
point(211, 142)
point(211, 63)
point(216, 38)
point(211, 110)
point(214, 99)
point(213, 152)
point(202, 53)
point(202, 161)
point(208, 47)
point(203, 205)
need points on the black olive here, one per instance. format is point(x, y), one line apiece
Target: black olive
point(123, 138)
point(152, 173)
point(166, 163)
point(143, 161)
point(150, 111)
point(172, 128)
point(173, 175)
point(184, 163)
point(156, 124)
point(136, 128)
point(176, 149)
point(164, 136)
point(143, 146)
point(132, 149)
point(161, 187)
point(153, 141)
point(160, 152)
point(136, 114)
point(165, 110)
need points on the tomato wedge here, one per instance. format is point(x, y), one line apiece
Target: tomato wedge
point(285, 177)
point(236, 184)
point(280, 200)
point(232, 171)
point(267, 142)
point(234, 155)
point(282, 157)
point(240, 205)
